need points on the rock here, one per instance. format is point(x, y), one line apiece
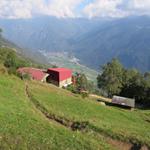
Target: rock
point(103, 103)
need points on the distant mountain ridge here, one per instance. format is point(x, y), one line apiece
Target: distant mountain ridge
point(92, 41)
point(40, 59)
point(44, 33)
point(126, 39)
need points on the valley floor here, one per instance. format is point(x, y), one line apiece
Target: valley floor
point(34, 115)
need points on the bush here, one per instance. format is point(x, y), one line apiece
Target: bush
point(84, 94)
point(72, 88)
point(3, 70)
point(80, 125)
point(24, 76)
point(11, 60)
point(12, 70)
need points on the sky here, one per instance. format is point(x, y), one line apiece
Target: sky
point(15, 9)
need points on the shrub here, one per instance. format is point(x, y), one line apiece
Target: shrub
point(84, 94)
point(24, 76)
point(72, 88)
point(3, 70)
point(12, 70)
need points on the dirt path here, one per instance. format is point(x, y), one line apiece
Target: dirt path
point(100, 97)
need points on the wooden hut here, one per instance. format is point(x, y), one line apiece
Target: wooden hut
point(123, 101)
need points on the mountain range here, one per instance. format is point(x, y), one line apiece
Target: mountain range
point(92, 41)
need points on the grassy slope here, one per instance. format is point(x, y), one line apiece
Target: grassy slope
point(117, 123)
point(22, 126)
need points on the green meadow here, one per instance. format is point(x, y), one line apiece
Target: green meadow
point(117, 123)
point(24, 126)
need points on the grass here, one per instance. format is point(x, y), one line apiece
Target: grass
point(117, 123)
point(23, 127)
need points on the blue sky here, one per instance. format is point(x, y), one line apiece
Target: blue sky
point(73, 8)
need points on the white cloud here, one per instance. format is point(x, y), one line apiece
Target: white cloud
point(117, 8)
point(68, 8)
point(14, 8)
point(139, 6)
point(104, 8)
point(63, 8)
point(29, 8)
point(18, 8)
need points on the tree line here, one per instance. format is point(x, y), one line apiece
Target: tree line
point(115, 79)
point(11, 60)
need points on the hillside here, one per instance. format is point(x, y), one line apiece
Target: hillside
point(92, 41)
point(44, 33)
point(101, 119)
point(22, 126)
point(32, 58)
point(126, 39)
point(47, 59)
point(38, 116)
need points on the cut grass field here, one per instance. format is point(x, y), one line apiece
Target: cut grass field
point(24, 127)
point(117, 123)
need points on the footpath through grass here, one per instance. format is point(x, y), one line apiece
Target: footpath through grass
point(133, 126)
point(23, 127)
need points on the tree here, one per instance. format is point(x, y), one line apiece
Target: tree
point(147, 77)
point(111, 78)
point(11, 61)
point(1, 30)
point(137, 86)
point(81, 82)
point(133, 85)
point(115, 79)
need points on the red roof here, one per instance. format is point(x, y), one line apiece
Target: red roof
point(63, 73)
point(60, 69)
point(36, 74)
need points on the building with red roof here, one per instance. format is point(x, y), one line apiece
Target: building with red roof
point(35, 74)
point(59, 76)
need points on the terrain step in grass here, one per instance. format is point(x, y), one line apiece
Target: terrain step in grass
point(83, 126)
point(24, 127)
point(119, 124)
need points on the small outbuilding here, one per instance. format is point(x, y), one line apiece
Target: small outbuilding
point(34, 73)
point(123, 101)
point(60, 77)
